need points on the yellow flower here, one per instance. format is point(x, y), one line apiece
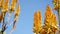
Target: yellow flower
point(13, 4)
point(48, 16)
point(5, 6)
point(17, 10)
point(1, 3)
point(37, 21)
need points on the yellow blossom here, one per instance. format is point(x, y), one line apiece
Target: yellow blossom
point(37, 21)
point(1, 3)
point(48, 15)
point(13, 4)
point(5, 6)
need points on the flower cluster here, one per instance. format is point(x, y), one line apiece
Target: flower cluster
point(7, 7)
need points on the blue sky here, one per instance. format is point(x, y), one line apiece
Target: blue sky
point(28, 7)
